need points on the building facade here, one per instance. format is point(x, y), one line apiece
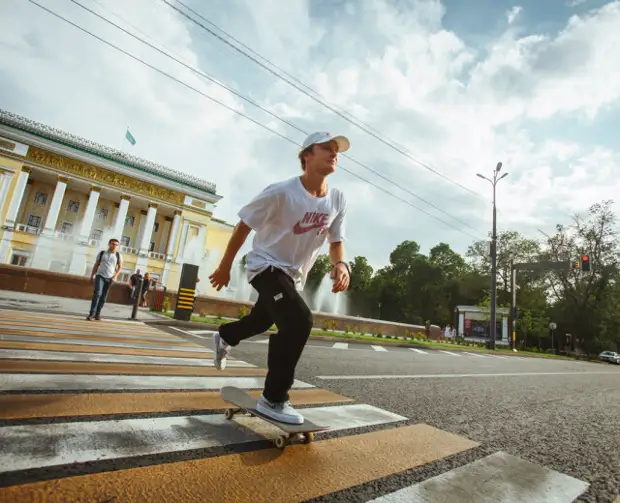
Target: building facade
point(63, 197)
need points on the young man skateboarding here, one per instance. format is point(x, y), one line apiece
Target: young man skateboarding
point(292, 219)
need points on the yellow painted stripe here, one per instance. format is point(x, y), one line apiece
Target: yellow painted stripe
point(185, 305)
point(52, 335)
point(298, 473)
point(80, 321)
point(186, 299)
point(91, 404)
point(51, 367)
point(45, 346)
point(94, 327)
point(191, 290)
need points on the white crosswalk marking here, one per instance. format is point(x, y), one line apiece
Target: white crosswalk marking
point(448, 352)
point(378, 348)
point(341, 345)
point(418, 351)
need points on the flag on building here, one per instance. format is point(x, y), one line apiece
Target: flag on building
point(130, 137)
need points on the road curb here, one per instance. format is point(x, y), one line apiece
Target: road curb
point(209, 326)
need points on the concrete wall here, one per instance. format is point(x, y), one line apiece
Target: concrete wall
point(44, 282)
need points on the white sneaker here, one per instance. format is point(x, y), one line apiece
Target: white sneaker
point(282, 411)
point(220, 351)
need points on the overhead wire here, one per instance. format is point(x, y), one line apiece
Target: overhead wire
point(284, 137)
point(272, 114)
point(318, 100)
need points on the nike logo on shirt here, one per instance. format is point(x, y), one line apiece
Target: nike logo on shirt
point(311, 220)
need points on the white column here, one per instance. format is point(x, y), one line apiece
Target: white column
point(121, 215)
point(172, 237)
point(18, 194)
point(202, 239)
point(147, 231)
point(52, 215)
point(89, 214)
point(7, 176)
point(505, 334)
point(179, 257)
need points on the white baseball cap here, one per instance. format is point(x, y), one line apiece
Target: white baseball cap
point(323, 137)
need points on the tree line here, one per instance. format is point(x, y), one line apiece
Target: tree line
point(415, 287)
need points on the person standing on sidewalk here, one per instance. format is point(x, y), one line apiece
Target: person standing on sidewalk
point(105, 271)
point(292, 220)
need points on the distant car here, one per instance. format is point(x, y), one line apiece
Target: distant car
point(610, 356)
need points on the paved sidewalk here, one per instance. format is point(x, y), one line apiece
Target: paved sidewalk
point(64, 305)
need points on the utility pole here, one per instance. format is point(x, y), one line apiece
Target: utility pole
point(513, 308)
point(493, 327)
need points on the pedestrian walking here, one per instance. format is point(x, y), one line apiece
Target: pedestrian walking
point(105, 271)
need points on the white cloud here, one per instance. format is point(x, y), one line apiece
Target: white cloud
point(459, 107)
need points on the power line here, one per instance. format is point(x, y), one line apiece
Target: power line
point(320, 101)
point(272, 114)
point(235, 111)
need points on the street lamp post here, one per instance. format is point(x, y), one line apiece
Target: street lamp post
point(493, 334)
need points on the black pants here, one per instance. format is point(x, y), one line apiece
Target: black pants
point(280, 303)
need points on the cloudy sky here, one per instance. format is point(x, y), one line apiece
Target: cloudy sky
point(432, 92)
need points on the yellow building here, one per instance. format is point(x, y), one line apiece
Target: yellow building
point(63, 197)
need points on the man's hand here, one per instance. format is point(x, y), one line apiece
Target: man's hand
point(220, 277)
point(340, 275)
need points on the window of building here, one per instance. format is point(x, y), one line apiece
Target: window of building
point(96, 235)
point(34, 221)
point(102, 214)
point(155, 226)
point(40, 198)
point(73, 206)
point(59, 266)
point(130, 220)
point(152, 246)
point(20, 258)
point(125, 241)
point(66, 228)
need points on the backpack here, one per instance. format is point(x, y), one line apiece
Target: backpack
point(100, 254)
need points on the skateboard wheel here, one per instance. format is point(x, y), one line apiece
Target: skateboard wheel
point(309, 437)
point(281, 442)
point(229, 414)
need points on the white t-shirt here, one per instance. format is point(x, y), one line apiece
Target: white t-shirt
point(291, 227)
point(107, 267)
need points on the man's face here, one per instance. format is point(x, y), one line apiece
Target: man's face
point(113, 246)
point(323, 158)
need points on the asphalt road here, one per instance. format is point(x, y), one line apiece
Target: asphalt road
point(116, 410)
point(564, 415)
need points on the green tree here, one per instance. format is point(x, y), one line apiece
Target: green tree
point(321, 267)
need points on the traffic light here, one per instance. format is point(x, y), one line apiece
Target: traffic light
point(585, 263)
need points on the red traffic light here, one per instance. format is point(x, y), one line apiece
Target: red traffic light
point(585, 258)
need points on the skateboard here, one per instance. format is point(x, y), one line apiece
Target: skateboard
point(247, 404)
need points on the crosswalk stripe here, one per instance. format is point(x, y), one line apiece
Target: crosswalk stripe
point(99, 337)
point(418, 351)
point(85, 331)
point(340, 345)
point(16, 406)
point(25, 354)
point(15, 314)
point(488, 478)
point(262, 341)
point(74, 367)
point(110, 350)
point(32, 339)
point(98, 326)
point(104, 382)
point(242, 477)
point(378, 348)
point(75, 442)
point(448, 352)
point(473, 354)
point(200, 332)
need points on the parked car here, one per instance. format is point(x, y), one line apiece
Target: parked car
point(610, 356)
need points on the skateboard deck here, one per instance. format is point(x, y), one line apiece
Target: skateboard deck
point(247, 404)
